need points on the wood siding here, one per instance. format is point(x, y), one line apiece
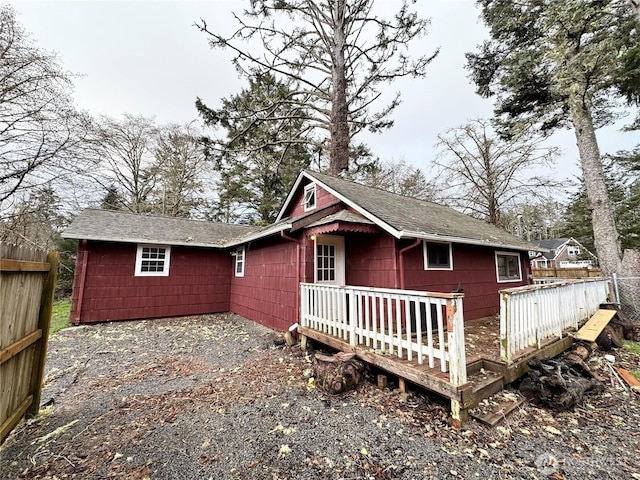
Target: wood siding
point(323, 199)
point(268, 291)
point(371, 261)
point(474, 269)
point(198, 282)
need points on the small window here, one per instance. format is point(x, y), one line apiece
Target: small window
point(573, 251)
point(239, 262)
point(508, 267)
point(437, 256)
point(153, 260)
point(309, 200)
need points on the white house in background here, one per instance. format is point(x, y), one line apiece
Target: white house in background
point(563, 253)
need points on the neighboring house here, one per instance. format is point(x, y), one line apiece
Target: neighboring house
point(562, 253)
point(329, 230)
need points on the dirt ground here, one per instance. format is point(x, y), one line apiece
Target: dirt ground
point(212, 397)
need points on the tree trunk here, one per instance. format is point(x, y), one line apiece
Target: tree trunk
point(605, 233)
point(337, 373)
point(560, 383)
point(635, 5)
point(339, 126)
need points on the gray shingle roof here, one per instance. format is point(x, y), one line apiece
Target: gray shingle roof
point(552, 243)
point(420, 219)
point(116, 226)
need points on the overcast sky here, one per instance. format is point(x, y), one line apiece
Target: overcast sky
point(147, 58)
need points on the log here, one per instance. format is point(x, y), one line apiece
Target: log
point(560, 383)
point(623, 325)
point(337, 373)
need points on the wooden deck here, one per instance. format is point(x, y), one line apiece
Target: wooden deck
point(486, 374)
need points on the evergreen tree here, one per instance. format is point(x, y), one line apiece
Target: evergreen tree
point(334, 54)
point(557, 63)
point(259, 158)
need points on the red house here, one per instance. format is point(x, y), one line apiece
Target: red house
point(329, 231)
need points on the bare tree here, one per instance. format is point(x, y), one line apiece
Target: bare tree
point(399, 177)
point(482, 173)
point(126, 149)
point(334, 54)
point(181, 169)
point(40, 129)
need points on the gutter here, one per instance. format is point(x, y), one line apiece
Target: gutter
point(401, 254)
point(291, 239)
point(471, 241)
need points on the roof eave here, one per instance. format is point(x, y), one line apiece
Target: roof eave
point(469, 241)
point(258, 235)
point(140, 240)
point(362, 211)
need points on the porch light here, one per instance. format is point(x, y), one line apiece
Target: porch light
point(312, 237)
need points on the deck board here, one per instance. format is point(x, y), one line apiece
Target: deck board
point(483, 353)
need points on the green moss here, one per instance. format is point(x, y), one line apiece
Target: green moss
point(60, 315)
point(632, 347)
point(636, 373)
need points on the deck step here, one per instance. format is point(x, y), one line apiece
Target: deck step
point(485, 383)
point(497, 414)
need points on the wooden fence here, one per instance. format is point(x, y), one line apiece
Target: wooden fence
point(398, 322)
point(27, 283)
point(565, 273)
point(533, 313)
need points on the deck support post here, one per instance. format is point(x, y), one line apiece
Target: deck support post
point(459, 415)
point(402, 385)
point(303, 343)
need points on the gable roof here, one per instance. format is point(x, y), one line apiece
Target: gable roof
point(117, 226)
point(556, 244)
point(405, 217)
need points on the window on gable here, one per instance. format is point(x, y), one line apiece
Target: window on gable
point(239, 269)
point(437, 256)
point(309, 199)
point(508, 267)
point(573, 251)
point(153, 260)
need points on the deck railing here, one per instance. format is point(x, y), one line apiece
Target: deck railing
point(405, 323)
point(530, 314)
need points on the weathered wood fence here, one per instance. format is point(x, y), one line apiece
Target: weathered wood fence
point(27, 283)
point(564, 273)
point(533, 313)
point(406, 323)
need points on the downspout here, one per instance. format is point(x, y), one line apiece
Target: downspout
point(401, 254)
point(291, 239)
point(83, 277)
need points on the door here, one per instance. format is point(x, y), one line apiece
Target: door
point(329, 260)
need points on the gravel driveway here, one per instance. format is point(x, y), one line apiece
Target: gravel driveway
point(212, 397)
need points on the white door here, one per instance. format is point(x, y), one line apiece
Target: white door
point(329, 260)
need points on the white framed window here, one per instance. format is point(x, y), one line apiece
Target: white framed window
point(153, 261)
point(437, 255)
point(239, 267)
point(573, 251)
point(309, 199)
point(508, 267)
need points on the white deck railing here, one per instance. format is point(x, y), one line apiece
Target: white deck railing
point(530, 314)
point(397, 322)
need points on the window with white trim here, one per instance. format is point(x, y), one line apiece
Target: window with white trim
point(573, 251)
point(508, 267)
point(153, 261)
point(239, 268)
point(309, 199)
point(437, 256)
